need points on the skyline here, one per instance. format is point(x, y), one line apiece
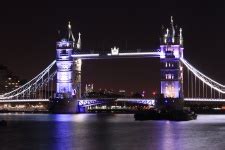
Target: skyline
point(140, 27)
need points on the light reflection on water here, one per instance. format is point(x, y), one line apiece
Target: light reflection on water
point(109, 132)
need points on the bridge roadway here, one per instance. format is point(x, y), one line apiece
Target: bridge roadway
point(94, 101)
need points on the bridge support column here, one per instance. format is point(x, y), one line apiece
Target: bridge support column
point(63, 106)
point(77, 78)
point(82, 109)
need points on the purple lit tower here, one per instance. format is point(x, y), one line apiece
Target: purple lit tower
point(68, 84)
point(171, 48)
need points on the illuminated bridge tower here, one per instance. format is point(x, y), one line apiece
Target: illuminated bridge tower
point(171, 48)
point(68, 80)
point(64, 69)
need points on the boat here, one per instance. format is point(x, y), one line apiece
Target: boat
point(173, 115)
point(148, 115)
point(181, 115)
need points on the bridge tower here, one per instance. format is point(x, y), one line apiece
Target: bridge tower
point(68, 84)
point(171, 48)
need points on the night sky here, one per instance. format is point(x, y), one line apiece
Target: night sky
point(28, 35)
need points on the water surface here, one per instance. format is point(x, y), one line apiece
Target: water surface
point(110, 132)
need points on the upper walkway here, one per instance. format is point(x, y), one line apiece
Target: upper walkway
point(116, 54)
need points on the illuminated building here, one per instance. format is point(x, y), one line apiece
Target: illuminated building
point(171, 67)
point(122, 92)
point(89, 88)
point(8, 82)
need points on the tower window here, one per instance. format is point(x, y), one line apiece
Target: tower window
point(169, 76)
point(64, 52)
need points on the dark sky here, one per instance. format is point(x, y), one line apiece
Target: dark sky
point(28, 34)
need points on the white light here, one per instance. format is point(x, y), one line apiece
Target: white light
point(162, 54)
point(64, 76)
point(78, 64)
point(144, 101)
point(140, 53)
point(24, 100)
point(114, 51)
point(156, 54)
point(85, 55)
point(176, 53)
point(204, 99)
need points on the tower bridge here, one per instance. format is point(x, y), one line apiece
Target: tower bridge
point(180, 82)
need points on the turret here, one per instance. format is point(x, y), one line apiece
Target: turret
point(79, 42)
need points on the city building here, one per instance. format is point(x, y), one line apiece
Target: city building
point(8, 81)
point(122, 92)
point(89, 88)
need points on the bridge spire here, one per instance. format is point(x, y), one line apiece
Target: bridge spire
point(79, 41)
point(171, 34)
point(70, 33)
point(173, 29)
point(181, 37)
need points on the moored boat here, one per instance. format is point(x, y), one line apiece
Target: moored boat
point(173, 115)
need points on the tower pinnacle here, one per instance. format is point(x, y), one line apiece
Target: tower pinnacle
point(181, 37)
point(69, 25)
point(173, 30)
point(79, 41)
point(70, 33)
point(172, 35)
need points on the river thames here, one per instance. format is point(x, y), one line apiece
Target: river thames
point(109, 132)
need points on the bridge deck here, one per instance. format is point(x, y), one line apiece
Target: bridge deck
point(150, 100)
